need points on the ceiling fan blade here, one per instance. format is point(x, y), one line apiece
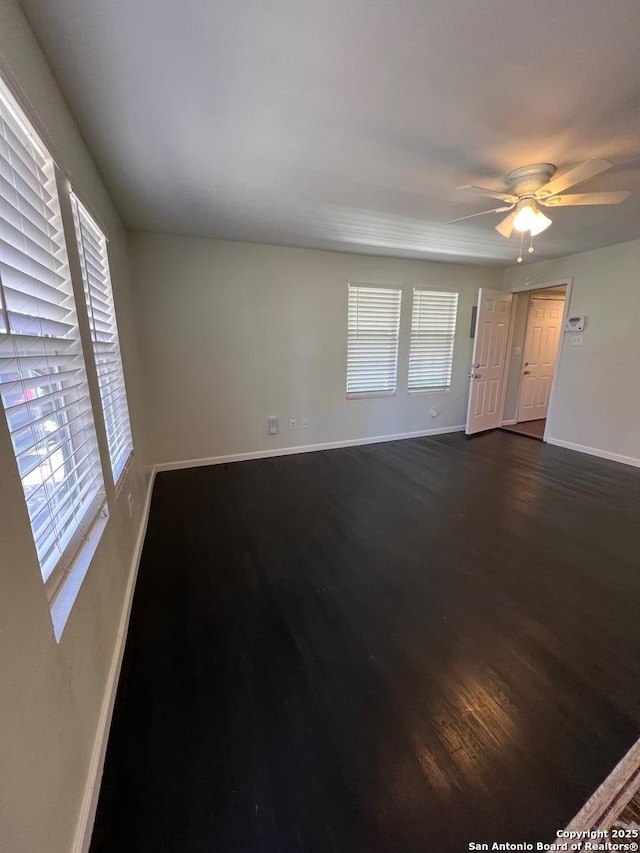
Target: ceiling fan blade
point(510, 199)
point(482, 212)
point(506, 226)
point(580, 173)
point(585, 198)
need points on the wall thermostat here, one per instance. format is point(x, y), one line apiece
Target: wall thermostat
point(575, 324)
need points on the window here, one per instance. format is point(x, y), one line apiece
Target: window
point(92, 248)
point(372, 339)
point(43, 385)
point(433, 326)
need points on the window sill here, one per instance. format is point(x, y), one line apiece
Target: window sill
point(441, 390)
point(65, 598)
point(119, 485)
point(365, 395)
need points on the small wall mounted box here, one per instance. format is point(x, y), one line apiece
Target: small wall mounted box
point(575, 324)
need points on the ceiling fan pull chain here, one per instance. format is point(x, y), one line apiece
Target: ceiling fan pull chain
point(531, 249)
point(521, 242)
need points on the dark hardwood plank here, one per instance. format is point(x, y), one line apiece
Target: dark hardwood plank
point(534, 429)
point(399, 647)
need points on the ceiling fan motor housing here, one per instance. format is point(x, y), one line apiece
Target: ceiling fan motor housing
point(527, 179)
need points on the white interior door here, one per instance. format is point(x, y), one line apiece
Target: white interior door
point(541, 341)
point(489, 354)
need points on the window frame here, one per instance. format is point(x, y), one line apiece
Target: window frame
point(70, 566)
point(429, 288)
point(374, 393)
point(118, 466)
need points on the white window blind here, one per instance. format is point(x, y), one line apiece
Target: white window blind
point(92, 247)
point(43, 385)
point(372, 339)
point(433, 326)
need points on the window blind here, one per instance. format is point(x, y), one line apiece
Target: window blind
point(43, 385)
point(92, 247)
point(433, 326)
point(372, 339)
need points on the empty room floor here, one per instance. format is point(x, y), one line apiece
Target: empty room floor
point(533, 429)
point(399, 647)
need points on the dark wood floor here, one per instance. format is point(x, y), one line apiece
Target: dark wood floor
point(402, 647)
point(533, 429)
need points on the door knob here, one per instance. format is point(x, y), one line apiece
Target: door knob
point(526, 372)
point(476, 365)
point(475, 376)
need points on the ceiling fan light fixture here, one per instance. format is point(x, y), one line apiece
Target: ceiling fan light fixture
point(537, 184)
point(529, 218)
point(525, 216)
point(540, 223)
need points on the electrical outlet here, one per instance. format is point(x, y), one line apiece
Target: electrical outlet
point(293, 423)
point(433, 412)
point(576, 340)
point(130, 504)
point(305, 423)
point(272, 424)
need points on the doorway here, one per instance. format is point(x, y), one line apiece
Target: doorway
point(518, 338)
point(534, 349)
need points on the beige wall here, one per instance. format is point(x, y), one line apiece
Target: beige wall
point(52, 694)
point(597, 402)
point(233, 332)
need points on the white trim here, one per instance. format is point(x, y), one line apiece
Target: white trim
point(598, 811)
point(559, 354)
point(18, 93)
point(69, 585)
point(124, 474)
point(395, 286)
point(509, 422)
point(437, 288)
point(564, 298)
point(595, 451)
point(86, 818)
point(305, 448)
point(513, 308)
point(539, 285)
point(367, 395)
point(527, 287)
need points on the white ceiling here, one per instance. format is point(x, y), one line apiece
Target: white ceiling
point(347, 124)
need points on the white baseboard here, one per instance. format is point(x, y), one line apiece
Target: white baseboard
point(595, 451)
point(509, 422)
point(305, 448)
point(86, 819)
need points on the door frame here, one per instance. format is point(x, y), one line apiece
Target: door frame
point(559, 298)
point(527, 287)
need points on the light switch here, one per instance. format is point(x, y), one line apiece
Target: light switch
point(517, 351)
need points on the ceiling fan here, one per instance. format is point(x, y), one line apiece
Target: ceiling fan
point(531, 186)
